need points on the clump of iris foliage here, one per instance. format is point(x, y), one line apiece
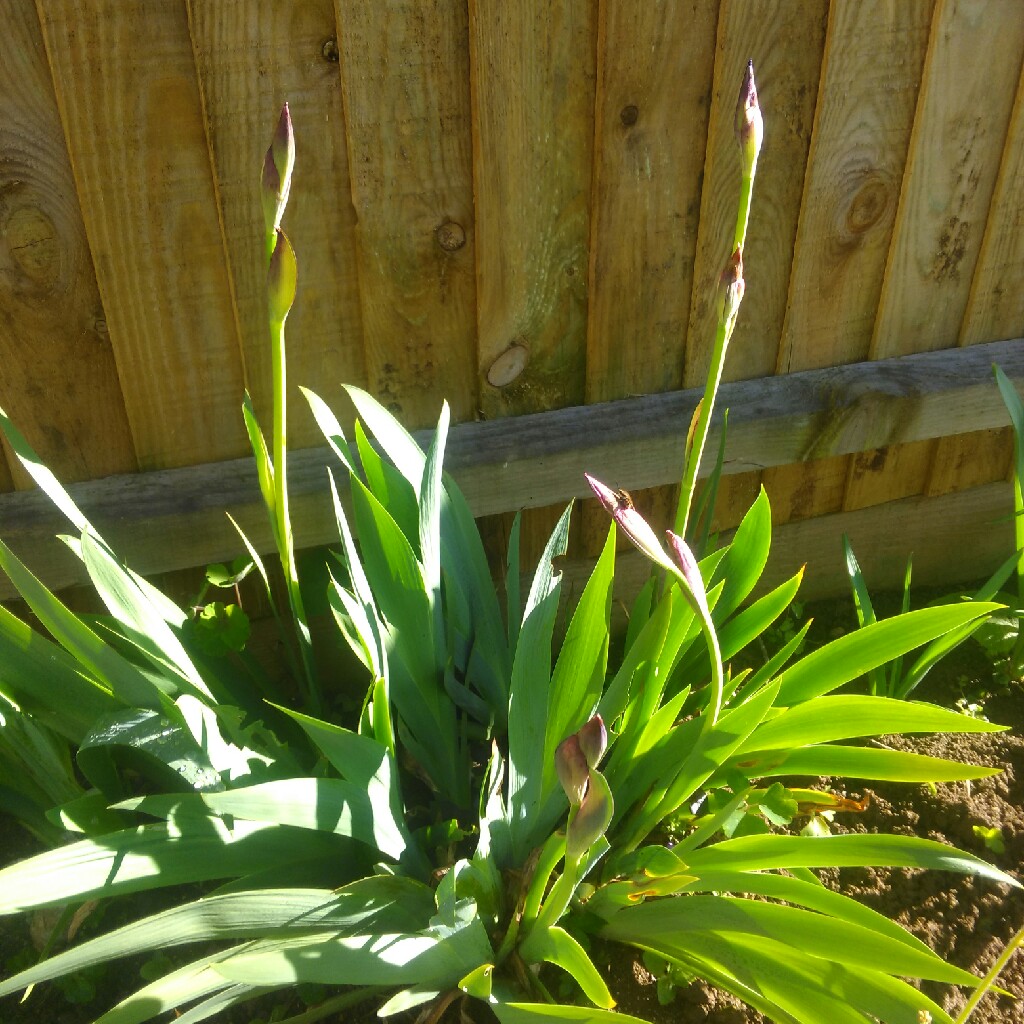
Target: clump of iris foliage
point(499, 804)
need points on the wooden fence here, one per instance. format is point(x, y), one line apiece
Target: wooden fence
point(522, 208)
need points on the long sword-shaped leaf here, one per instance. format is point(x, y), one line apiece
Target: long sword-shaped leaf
point(765, 853)
point(161, 854)
point(857, 653)
point(842, 717)
point(322, 805)
point(382, 902)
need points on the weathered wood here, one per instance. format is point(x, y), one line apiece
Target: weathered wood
point(785, 41)
point(654, 61)
point(968, 86)
point(874, 53)
point(57, 374)
point(251, 58)
point(125, 80)
point(533, 123)
point(995, 309)
point(405, 79)
point(174, 518)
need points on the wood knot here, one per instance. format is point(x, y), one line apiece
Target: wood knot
point(508, 366)
point(629, 115)
point(450, 236)
point(34, 245)
point(329, 51)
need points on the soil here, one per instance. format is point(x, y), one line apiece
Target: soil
point(967, 921)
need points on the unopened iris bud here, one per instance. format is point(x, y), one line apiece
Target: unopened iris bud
point(592, 819)
point(593, 738)
point(282, 278)
point(629, 520)
point(277, 175)
point(572, 769)
point(731, 287)
point(748, 122)
point(690, 569)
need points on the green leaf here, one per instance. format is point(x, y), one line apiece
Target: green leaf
point(862, 763)
point(330, 428)
point(845, 716)
point(382, 902)
point(122, 679)
point(745, 558)
point(765, 853)
point(556, 946)
point(47, 682)
point(858, 653)
point(324, 805)
point(528, 693)
point(126, 601)
point(579, 674)
point(541, 1013)
point(661, 923)
point(424, 958)
point(151, 745)
point(186, 849)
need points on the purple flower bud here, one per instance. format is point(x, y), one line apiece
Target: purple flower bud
point(593, 738)
point(749, 123)
point(629, 520)
point(277, 172)
point(731, 287)
point(591, 820)
point(282, 278)
point(573, 771)
point(690, 570)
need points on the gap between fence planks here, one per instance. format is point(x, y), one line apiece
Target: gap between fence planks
point(175, 518)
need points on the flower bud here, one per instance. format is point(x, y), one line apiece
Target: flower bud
point(690, 570)
point(629, 520)
point(282, 278)
point(277, 172)
point(591, 820)
point(593, 739)
point(748, 122)
point(573, 771)
point(731, 287)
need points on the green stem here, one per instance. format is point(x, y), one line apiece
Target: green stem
point(989, 980)
point(723, 332)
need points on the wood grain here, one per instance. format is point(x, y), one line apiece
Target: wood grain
point(970, 79)
point(126, 87)
point(252, 57)
point(533, 137)
point(405, 78)
point(175, 518)
point(785, 41)
point(871, 73)
point(654, 62)
point(995, 309)
point(58, 381)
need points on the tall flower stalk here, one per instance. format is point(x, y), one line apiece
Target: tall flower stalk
point(749, 134)
point(282, 277)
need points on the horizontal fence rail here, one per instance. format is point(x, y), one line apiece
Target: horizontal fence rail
point(173, 519)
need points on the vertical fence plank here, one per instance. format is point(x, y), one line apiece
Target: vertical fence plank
point(654, 67)
point(785, 40)
point(405, 80)
point(59, 382)
point(533, 73)
point(874, 54)
point(126, 86)
point(995, 311)
point(533, 106)
point(969, 81)
point(252, 57)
